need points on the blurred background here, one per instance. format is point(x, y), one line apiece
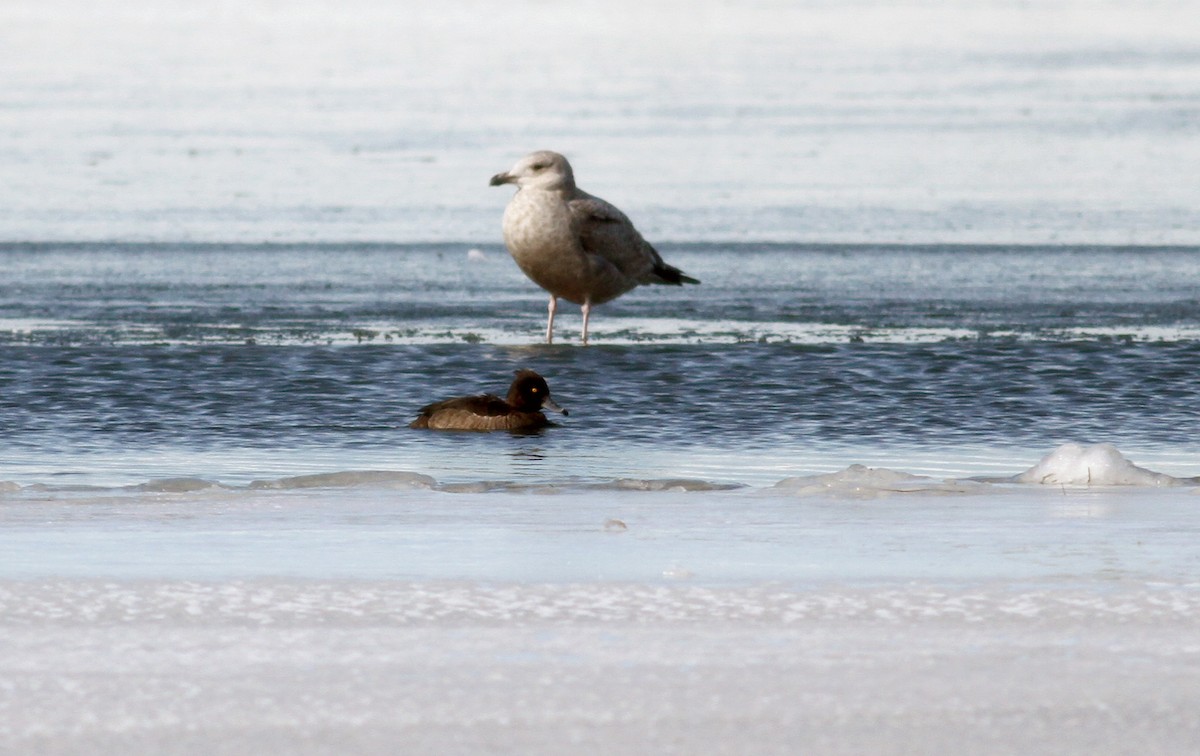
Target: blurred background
point(375, 120)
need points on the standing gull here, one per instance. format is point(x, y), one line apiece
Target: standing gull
point(572, 244)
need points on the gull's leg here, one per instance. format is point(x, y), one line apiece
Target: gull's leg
point(550, 321)
point(587, 310)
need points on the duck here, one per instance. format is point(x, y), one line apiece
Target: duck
point(520, 411)
point(572, 244)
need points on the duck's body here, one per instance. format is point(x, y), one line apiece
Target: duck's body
point(520, 411)
point(572, 244)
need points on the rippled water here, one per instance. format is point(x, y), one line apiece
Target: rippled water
point(125, 363)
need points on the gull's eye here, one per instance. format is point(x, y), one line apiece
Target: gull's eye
point(539, 166)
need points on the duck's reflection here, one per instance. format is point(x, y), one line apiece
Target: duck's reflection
point(530, 455)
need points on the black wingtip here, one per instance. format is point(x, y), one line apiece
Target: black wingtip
point(673, 276)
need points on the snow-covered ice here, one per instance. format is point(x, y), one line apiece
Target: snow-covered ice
point(982, 121)
point(870, 610)
point(374, 668)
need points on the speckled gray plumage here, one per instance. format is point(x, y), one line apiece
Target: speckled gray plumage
point(572, 244)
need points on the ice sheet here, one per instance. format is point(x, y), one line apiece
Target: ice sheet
point(365, 613)
point(981, 121)
point(323, 668)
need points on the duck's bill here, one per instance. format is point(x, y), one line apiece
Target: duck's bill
point(550, 404)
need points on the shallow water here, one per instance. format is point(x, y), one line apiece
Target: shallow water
point(126, 363)
point(223, 411)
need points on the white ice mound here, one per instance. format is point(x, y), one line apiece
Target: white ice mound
point(1095, 465)
point(860, 481)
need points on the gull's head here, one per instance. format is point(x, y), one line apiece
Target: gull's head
point(540, 170)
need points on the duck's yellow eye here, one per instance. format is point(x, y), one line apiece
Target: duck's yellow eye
point(534, 390)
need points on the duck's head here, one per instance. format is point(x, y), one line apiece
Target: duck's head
point(530, 393)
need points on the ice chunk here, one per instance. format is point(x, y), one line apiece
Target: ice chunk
point(667, 484)
point(1095, 465)
point(857, 480)
point(860, 481)
point(177, 485)
point(351, 478)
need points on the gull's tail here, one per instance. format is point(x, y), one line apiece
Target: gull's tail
point(668, 274)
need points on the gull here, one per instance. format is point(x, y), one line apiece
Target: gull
point(572, 244)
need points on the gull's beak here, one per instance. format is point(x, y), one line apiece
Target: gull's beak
point(549, 403)
point(501, 178)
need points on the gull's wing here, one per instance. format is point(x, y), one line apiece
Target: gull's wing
point(606, 232)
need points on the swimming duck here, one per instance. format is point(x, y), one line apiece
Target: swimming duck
point(572, 244)
point(519, 411)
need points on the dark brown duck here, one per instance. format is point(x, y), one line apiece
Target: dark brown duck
point(521, 410)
